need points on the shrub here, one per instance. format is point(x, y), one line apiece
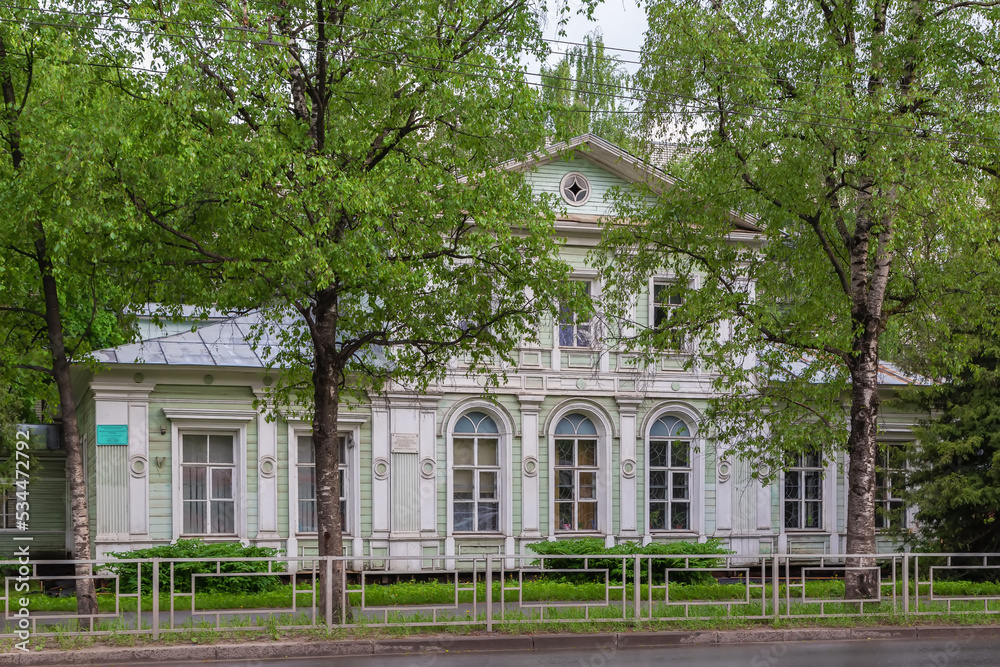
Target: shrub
point(128, 578)
point(593, 546)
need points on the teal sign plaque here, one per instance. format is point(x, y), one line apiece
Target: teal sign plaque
point(112, 434)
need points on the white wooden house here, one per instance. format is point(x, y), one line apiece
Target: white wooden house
point(576, 443)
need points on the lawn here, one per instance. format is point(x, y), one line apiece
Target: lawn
point(538, 590)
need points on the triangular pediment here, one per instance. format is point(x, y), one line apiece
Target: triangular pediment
point(603, 167)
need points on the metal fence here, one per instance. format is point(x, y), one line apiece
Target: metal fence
point(159, 596)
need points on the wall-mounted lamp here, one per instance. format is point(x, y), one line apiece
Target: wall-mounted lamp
point(160, 460)
point(163, 429)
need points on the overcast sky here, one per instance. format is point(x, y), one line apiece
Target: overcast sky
point(622, 22)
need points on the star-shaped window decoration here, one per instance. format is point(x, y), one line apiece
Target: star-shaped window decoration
point(575, 189)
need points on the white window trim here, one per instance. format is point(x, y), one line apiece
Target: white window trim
point(691, 418)
point(210, 420)
point(828, 502)
point(4, 498)
point(689, 342)
point(596, 335)
point(562, 185)
point(352, 429)
point(593, 292)
point(504, 483)
point(909, 511)
point(605, 435)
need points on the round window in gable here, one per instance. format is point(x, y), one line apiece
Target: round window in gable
point(575, 189)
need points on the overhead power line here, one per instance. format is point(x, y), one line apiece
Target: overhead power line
point(682, 102)
point(812, 78)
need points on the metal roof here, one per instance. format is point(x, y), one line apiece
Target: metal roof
point(889, 375)
point(220, 344)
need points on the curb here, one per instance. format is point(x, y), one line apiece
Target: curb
point(601, 642)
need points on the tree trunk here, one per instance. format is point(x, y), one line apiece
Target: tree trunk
point(328, 373)
point(861, 582)
point(869, 283)
point(86, 597)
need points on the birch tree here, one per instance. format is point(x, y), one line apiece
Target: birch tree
point(62, 269)
point(861, 135)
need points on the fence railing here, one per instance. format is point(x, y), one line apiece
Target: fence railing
point(158, 596)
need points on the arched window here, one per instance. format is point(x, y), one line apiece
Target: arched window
point(576, 474)
point(669, 469)
point(476, 473)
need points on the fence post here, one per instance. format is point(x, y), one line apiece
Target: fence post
point(906, 584)
point(328, 598)
point(489, 592)
point(775, 569)
point(636, 591)
point(156, 599)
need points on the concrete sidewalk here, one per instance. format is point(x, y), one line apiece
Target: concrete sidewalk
point(479, 642)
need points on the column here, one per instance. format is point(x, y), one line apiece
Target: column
point(380, 471)
point(627, 469)
point(267, 474)
point(530, 509)
point(428, 466)
point(121, 446)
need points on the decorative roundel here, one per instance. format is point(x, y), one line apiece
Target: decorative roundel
point(427, 468)
point(138, 466)
point(725, 469)
point(530, 466)
point(628, 468)
point(380, 468)
point(268, 466)
point(575, 189)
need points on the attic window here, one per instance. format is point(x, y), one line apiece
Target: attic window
point(575, 189)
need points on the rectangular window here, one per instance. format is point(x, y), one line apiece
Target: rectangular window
point(803, 492)
point(306, 466)
point(208, 484)
point(669, 485)
point(574, 331)
point(890, 478)
point(476, 498)
point(576, 484)
point(8, 507)
point(665, 299)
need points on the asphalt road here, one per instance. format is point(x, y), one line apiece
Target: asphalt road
point(887, 653)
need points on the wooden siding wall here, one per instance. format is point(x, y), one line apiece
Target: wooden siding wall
point(47, 513)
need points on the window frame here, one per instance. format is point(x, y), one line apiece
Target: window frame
point(669, 471)
point(799, 469)
point(574, 325)
point(8, 499)
point(344, 467)
point(681, 342)
point(211, 420)
point(476, 467)
point(574, 201)
point(210, 467)
point(505, 424)
point(691, 418)
point(883, 505)
point(351, 525)
point(600, 498)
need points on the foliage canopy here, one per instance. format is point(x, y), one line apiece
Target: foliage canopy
point(862, 138)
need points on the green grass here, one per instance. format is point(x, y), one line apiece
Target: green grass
point(540, 590)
